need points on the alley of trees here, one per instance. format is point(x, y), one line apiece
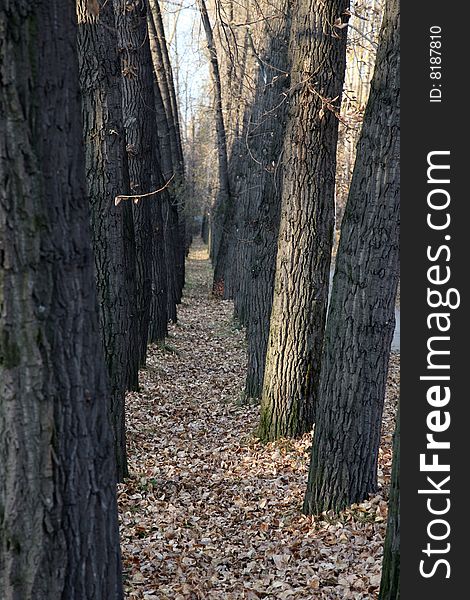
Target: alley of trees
point(199, 266)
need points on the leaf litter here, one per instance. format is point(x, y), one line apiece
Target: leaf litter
point(209, 512)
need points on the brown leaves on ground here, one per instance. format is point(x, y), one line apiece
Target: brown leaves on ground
point(208, 511)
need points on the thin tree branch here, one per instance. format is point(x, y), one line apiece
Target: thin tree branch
point(137, 197)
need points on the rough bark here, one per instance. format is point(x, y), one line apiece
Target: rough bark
point(158, 323)
point(262, 146)
point(317, 57)
point(138, 103)
point(361, 318)
point(390, 584)
point(133, 356)
point(176, 220)
point(238, 74)
point(106, 176)
point(165, 78)
point(59, 536)
point(173, 250)
point(223, 202)
point(171, 164)
point(164, 75)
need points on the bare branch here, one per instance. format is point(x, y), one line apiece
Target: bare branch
point(137, 197)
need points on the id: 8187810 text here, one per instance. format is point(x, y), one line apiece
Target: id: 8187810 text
point(435, 63)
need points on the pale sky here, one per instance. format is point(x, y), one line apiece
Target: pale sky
point(187, 42)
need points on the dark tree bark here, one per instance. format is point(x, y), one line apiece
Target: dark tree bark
point(165, 126)
point(138, 103)
point(106, 176)
point(59, 537)
point(164, 73)
point(390, 584)
point(158, 325)
point(223, 204)
point(239, 104)
point(317, 57)
point(361, 318)
point(262, 147)
point(165, 79)
point(205, 228)
point(133, 356)
point(171, 166)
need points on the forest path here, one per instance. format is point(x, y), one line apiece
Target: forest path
point(208, 512)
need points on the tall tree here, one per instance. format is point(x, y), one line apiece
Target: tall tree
point(390, 584)
point(361, 318)
point(138, 102)
point(112, 226)
point(166, 82)
point(236, 68)
point(159, 306)
point(58, 515)
point(223, 202)
point(317, 57)
point(264, 136)
point(171, 159)
point(164, 73)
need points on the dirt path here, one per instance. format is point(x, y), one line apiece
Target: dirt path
point(208, 512)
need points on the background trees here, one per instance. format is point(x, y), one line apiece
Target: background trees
point(224, 202)
point(171, 161)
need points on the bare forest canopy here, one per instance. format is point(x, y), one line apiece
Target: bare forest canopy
point(239, 32)
point(199, 265)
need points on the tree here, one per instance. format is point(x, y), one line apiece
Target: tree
point(171, 158)
point(138, 105)
point(390, 584)
point(232, 39)
point(361, 317)
point(317, 57)
point(223, 202)
point(164, 74)
point(361, 54)
point(112, 226)
point(261, 199)
point(59, 534)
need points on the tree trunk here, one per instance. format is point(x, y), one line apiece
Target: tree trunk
point(171, 164)
point(263, 145)
point(205, 228)
point(158, 324)
point(106, 176)
point(164, 73)
point(235, 50)
point(390, 584)
point(317, 57)
point(139, 121)
point(223, 201)
point(361, 318)
point(59, 537)
point(165, 125)
point(133, 357)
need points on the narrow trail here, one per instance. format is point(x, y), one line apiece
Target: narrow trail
point(209, 512)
